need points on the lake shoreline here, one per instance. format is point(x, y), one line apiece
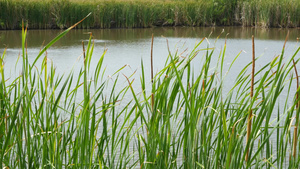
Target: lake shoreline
point(144, 14)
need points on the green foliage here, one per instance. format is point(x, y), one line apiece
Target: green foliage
point(83, 121)
point(148, 13)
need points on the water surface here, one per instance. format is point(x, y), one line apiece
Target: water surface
point(130, 46)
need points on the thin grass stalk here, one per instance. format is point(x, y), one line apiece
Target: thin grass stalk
point(297, 115)
point(152, 94)
point(26, 76)
point(84, 111)
point(251, 96)
point(85, 69)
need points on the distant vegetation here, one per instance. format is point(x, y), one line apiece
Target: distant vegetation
point(147, 13)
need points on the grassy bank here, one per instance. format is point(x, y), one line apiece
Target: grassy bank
point(147, 13)
point(181, 119)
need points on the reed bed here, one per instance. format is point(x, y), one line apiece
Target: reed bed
point(148, 13)
point(182, 119)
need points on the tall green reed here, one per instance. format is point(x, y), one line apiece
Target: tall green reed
point(183, 119)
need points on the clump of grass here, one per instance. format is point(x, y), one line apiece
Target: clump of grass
point(183, 119)
point(270, 13)
point(50, 14)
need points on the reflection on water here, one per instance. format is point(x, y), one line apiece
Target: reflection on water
point(36, 38)
point(130, 46)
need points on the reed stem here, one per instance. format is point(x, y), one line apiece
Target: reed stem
point(297, 107)
point(152, 95)
point(251, 95)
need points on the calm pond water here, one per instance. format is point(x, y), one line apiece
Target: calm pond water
point(130, 46)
